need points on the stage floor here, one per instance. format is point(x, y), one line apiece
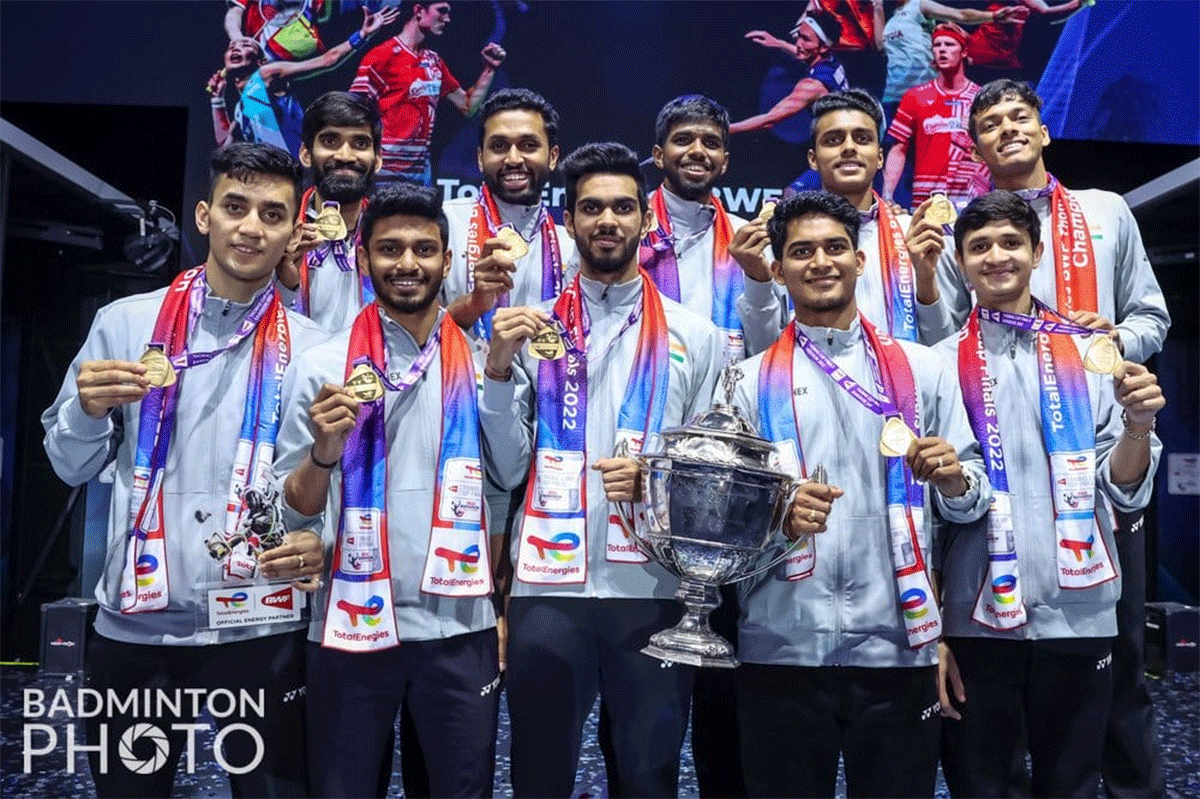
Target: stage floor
point(1177, 698)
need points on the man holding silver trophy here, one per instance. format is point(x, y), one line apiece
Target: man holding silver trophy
point(838, 640)
point(611, 360)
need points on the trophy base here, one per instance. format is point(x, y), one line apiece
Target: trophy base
point(704, 650)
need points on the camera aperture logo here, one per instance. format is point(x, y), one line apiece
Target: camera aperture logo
point(144, 746)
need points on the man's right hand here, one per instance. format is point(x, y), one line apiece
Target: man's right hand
point(493, 274)
point(333, 414)
point(511, 327)
point(103, 385)
point(747, 247)
point(810, 509)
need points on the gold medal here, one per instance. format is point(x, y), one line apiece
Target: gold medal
point(896, 438)
point(364, 384)
point(1102, 357)
point(547, 345)
point(941, 211)
point(516, 246)
point(159, 370)
point(330, 225)
point(768, 211)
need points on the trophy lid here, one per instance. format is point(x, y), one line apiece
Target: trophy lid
point(721, 434)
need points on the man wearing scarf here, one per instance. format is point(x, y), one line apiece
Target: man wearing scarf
point(626, 363)
point(1094, 270)
point(321, 279)
point(382, 451)
point(712, 262)
point(838, 641)
point(1030, 590)
point(897, 294)
point(180, 388)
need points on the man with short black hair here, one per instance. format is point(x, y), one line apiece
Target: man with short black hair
point(897, 293)
point(383, 419)
point(836, 641)
point(1029, 591)
point(697, 253)
point(181, 388)
point(625, 364)
point(341, 149)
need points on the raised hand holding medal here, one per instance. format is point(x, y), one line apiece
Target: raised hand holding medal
point(159, 370)
point(329, 223)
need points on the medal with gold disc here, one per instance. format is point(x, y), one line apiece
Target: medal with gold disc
point(159, 370)
point(896, 438)
point(547, 345)
point(1102, 357)
point(941, 211)
point(516, 246)
point(364, 383)
point(330, 225)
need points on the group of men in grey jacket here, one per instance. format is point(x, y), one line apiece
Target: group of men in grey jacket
point(442, 493)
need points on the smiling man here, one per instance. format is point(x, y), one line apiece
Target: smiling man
point(584, 600)
point(837, 642)
point(383, 425)
point(1029, 591)
point(507, 249)
point(341, 149)
point(896, 293)
point(696, 253)
point(168, 386)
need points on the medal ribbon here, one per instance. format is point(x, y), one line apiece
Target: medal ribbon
point(340, 250)
point(656, 255)
point(485, 217)
point(553, 546)
point(999, 604)
point(897, 397)
point(145, 583)
point(899, 278)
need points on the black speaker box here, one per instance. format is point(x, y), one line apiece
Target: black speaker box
point(66, 625)
point(1172, 637)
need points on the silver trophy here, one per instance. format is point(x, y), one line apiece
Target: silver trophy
point(714, 500)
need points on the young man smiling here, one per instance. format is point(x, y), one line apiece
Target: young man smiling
point(836, 642)
point(383, 425)
point(341, 150)
point(697, 253)
point(1029, 591)
point(584, 600)
point(181, 388)
point(897, 293)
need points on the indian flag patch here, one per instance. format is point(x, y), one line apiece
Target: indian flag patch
point(678, 352)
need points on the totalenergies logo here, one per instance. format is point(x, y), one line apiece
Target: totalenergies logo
point(1003, 588)
point(369, 611)
point(145, 568)
point(912, 602)
point(234, 600)
point(561, 547)
point(468, 558)
point(1079, 547)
